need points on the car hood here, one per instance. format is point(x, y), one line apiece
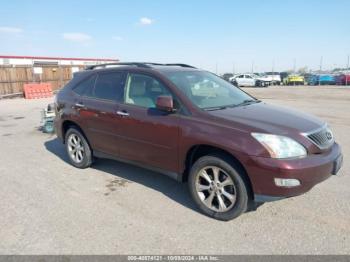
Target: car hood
point(262, 117)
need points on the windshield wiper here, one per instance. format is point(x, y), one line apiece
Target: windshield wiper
point(248, 102)
point(215, 108)
point(245, 102)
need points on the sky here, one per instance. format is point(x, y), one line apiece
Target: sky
point(220, 36)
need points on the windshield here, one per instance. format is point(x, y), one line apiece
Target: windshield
point(208, 91)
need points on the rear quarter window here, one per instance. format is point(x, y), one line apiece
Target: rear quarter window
point(85, 86)
point(110, 86)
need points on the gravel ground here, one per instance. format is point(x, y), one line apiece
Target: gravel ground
point(49, 207)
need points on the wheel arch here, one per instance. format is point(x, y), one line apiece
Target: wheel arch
point(197, 151)
point(68, 124)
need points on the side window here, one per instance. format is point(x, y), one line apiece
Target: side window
point(248, 76)
point(109, 86)
point(143, 90)
point(85, 86)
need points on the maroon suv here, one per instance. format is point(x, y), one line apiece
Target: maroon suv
point(193, 126)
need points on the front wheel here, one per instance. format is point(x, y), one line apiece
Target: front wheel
point(218, 188)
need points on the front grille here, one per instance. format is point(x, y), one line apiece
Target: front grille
point(323, 138)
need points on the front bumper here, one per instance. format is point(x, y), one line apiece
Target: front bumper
point(309, 170)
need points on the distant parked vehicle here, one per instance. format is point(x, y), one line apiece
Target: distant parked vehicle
point(243, 80)
point(248, 80)
point(312, 80)
point(273, 77)
point(343, 79)
point(294, 80)
point(324, 79)
point(308, 77)
point(327, 79)
point(284, 75)
point(227, 76)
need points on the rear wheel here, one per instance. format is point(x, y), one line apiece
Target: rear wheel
point(78, 149)
point(218, 188)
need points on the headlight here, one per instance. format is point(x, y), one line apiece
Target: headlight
point(280, 146)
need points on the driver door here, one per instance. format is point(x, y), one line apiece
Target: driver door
point(147, 135)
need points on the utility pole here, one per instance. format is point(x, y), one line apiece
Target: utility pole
point(321, 61)
point(61, 74)
point(252, 66)
point(294, 65)
point(347, 68)
point(233, 68)
point(216, 68)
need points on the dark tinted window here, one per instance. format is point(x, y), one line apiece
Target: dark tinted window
point(110, 86)
point(85, 87)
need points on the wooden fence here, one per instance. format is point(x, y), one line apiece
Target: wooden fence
point(12, 79)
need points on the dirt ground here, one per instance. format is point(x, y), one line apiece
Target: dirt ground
point(49, 207)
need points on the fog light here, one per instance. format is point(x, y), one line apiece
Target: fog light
point(287, 182)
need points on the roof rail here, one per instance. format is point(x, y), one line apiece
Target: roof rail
point(138, 64)
point(116, 64)
point(182, 65)
point(172, 64)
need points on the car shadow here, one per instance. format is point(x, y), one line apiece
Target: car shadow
point(174, 190)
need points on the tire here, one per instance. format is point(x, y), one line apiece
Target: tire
point(82, 159)
point(201, 190)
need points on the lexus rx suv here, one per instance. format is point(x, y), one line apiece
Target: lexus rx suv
point(195, 127)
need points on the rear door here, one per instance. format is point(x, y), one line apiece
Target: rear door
point(147, 135)
point(97, 108)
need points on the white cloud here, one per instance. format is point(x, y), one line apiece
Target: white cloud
point(77, 37)
point(117, 38)
point(146, 21)
point(10, 30)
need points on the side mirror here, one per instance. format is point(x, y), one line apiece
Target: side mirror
point(165, 103)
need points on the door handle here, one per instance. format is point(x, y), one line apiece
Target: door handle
point(79, 105)
point(122, 113)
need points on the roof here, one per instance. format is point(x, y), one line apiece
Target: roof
point(145, 65)
point(141, 65)
point(59, 58)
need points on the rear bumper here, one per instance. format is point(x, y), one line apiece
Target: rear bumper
point(309, 171)
point(58, 128)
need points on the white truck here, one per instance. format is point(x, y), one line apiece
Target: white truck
point(273, 78)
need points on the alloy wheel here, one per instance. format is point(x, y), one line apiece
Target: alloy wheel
point(215, 189)
point(76, 148)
